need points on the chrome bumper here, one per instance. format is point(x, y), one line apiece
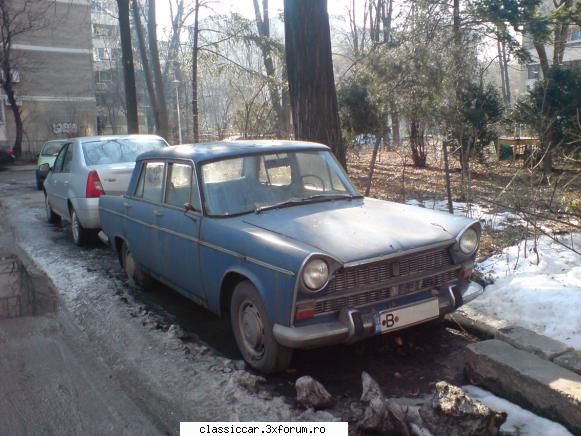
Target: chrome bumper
point(353, 325)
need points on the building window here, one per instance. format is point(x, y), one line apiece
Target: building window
point(534, 72)
point(98, 54)
point(575, 33)
point(103, 76)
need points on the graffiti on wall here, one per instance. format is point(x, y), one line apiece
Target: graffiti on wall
point(65, 128)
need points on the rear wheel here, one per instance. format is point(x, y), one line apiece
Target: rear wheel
point(81, 236)
point(51, 217)
point(134, 273)
point(253, 331)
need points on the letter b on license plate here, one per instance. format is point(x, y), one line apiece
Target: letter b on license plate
point(395, 319)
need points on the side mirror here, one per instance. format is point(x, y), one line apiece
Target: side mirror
point(44, 167)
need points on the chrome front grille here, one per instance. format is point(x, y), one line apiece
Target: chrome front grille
point(361, 299)
point(375, 273)
point(372, 283)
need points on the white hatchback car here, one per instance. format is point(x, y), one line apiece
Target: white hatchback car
point(87, 168)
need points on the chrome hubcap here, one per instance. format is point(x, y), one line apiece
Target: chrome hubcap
point(252, 329)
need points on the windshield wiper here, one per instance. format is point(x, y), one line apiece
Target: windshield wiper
point(310, 199)
point(331, 197)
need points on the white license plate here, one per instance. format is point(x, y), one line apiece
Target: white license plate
point(395, 319)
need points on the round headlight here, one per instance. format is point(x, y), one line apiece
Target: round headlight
point(316, 274)
point(469, 241)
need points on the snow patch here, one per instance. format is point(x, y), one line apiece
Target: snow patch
point(540, 293)
point(519, 420)
point(495, 220)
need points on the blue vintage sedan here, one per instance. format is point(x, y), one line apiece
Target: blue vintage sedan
point(274, 234)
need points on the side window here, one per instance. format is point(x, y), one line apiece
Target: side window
point(150, 186)
point(68, 159)
point(179, 186)
point(58, 163)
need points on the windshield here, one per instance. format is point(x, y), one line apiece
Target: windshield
point(118, 150)
point(52, 148)
point(259, 182)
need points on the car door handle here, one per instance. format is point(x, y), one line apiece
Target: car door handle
point(157, 213)
point(66, 182)
point(127, 205)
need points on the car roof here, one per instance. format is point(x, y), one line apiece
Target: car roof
point(227, 149)
point(107, 137)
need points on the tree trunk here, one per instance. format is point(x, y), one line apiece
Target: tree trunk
point(310, 74)
point(417, 144)
point(542, 53)
point(387, 17)
point(373, 161)
point(501, 66)
point(159, 85)
point(17, 150)
point(145, 63)
point(395, 128)
point(195, 115)
point(128, 69)
point(506, 77)
point(263, 25)
point(447, 173)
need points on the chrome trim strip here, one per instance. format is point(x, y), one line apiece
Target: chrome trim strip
point(452, 296)
point(400, 253)
point(205, 244)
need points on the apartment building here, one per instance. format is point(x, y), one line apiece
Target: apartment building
point(53, 75)
point(571, 57)
point(108, 72)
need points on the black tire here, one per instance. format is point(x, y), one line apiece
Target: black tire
point(51, 217)
point(253, 331)
point(81, 236)
point(134, 273)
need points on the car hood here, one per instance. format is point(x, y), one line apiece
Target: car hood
point(361, 229)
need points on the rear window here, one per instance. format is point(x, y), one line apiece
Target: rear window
point(5, 147)
point(118, 150)
point(51, 148)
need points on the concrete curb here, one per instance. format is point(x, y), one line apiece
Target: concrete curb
point(526, 379)
point(532, 370)
point(519, 337)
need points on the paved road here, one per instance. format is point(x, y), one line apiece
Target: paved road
point(408, 364)
point(52, 382)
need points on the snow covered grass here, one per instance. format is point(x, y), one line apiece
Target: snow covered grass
point(519, 421)
point(488, 218)
point(543, 295)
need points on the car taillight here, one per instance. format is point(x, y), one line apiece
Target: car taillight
point(94, 187)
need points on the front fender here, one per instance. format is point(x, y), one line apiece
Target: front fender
point(276, 290)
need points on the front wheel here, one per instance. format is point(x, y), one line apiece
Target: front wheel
point(253, 331)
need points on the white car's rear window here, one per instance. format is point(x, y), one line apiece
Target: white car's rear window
point(118, 150)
